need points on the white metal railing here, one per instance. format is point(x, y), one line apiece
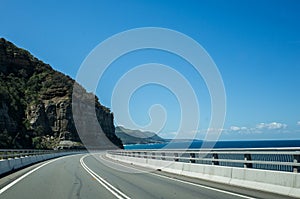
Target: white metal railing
point(18, 153)
point(280, 159)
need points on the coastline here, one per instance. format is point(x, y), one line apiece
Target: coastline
point(219, 144)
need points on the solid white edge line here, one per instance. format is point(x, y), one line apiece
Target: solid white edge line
point(103, 182)
point(186, 182)
point(104, 185)
point(28, 173)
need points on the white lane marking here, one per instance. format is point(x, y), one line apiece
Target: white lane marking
point(103, 182)
point(185, 182)
point(28, 173)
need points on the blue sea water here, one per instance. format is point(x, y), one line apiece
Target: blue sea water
point(219, 144)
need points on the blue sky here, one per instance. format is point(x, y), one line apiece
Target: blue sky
point(255, 44)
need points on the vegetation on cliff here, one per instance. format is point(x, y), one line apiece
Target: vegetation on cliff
point(36, 103)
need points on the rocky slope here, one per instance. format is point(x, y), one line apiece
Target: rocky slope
point(36, 103)
point(129, 136)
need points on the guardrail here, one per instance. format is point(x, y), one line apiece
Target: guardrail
point(13, 159)
point(279, 159)
point(18, 153)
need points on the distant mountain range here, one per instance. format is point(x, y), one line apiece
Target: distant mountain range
point(129, 136)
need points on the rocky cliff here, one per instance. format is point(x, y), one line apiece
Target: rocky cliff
point(36, 103)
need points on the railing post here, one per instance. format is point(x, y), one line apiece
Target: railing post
point(215, 159)
point(153, 155)
point(296, 169)
point(176, 159)
point(163, 154)
point(9, 154)
point(18, 154)
point(192, 158)
point(247, 157)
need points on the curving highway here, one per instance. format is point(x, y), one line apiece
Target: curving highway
point(95, 176)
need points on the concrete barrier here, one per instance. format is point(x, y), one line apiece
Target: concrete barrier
point(25, 161)
point(4, 166)
point(279, 182)
point(17, 163)
point(7, 165)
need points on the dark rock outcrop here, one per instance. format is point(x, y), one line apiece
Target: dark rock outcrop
point(36, 103)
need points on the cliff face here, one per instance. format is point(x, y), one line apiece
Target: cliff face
point(36, 103)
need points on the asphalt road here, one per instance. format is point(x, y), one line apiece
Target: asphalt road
point(94, 176)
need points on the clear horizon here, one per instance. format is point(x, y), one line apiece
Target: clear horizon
point(255, 45)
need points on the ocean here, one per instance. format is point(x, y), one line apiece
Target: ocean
point(219, 144)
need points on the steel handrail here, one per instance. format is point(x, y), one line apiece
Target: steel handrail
point(289, 157)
